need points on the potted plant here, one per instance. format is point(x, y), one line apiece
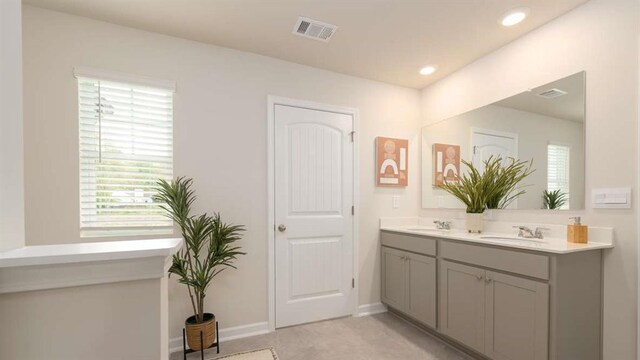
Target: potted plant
point(208, 250)
point(494, 188)
point(471, 189)
point(503, 177)
point(553, 199)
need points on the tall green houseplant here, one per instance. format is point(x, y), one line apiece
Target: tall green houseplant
point(208, 241)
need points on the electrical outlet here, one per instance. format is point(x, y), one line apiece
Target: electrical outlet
point(395, 201)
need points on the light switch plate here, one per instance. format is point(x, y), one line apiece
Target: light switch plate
point(395, 201)
point(611, 198)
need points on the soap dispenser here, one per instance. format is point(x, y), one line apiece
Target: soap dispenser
point(576, 232)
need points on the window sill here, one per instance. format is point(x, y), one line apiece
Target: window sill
point(111, 233)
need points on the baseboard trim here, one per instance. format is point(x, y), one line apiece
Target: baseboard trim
point(232, 333)
point(371, 309)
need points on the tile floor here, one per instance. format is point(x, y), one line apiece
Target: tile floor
point(382, 336)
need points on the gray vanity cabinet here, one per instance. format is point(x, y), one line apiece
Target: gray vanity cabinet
point(421, 288)
point(516, 317)
point(393, 277)
point(409, 282)
point(501, 303)
point(462, 297)
point(501, 316)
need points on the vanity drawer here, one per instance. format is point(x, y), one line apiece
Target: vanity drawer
point(533, 265)
point(417, 244)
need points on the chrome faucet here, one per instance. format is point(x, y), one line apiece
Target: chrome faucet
point(527, 233)
point(443, 225)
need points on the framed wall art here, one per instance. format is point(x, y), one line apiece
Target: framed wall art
point(392, 161)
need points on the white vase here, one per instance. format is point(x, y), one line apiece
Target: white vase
point(475, 222)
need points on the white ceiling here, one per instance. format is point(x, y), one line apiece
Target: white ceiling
point(568, 107)
point(385, 40)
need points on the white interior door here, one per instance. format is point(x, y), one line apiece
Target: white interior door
point(487, 143)
point(313, 215)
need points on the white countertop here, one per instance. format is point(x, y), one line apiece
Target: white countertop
point(89, 252)
point(547, 245)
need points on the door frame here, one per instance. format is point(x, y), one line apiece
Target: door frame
point(272, 101)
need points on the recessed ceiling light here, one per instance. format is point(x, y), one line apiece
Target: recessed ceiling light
point(427, 70)
point(514, 16)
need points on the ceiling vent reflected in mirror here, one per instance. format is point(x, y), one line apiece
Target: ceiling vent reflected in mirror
point(552, 94)
point(314, 29)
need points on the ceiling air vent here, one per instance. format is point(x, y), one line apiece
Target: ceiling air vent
point(314, 29)
point(552, 93)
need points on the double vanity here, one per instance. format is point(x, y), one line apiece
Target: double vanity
point(516, 291)
point(497, 295)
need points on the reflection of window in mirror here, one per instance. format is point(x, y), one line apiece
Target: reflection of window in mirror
point(558, 170)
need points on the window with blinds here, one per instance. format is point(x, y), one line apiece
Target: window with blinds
point(558, 170)
point(126, 145)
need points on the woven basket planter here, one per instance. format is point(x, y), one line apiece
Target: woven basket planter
point(193, 330)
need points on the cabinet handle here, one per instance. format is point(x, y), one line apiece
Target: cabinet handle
point(479, 277)
point(487, 280)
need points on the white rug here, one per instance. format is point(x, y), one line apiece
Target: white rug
point(262, 354)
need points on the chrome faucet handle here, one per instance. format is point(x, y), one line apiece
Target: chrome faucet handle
point(520, 230)
point(443, 225)
point(524, 231)
point(538, 233)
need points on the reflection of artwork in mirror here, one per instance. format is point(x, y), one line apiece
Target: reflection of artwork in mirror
point(446, 163)
point(545, 124)
point(391, 161)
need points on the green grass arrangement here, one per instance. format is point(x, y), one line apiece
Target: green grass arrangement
point(553, 199)
point(503, 177)
point(208, 247)
point(470, 188)
point(494, 188)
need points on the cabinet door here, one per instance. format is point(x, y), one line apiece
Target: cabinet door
point(517, 313)
point(462, 304)
point(393, 278)
point(421, 288)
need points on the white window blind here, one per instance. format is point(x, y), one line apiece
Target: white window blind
point(558, 170)
point(126, 145)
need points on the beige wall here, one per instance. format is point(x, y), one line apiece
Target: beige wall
point(600, 37)
point(221, 104)
point(534, 132)
point(220, 110)
point(112, 321)
point(11, 153)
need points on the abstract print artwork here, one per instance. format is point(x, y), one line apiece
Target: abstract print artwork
point(446, 163)
point(392, 156)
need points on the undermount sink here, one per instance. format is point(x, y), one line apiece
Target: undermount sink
point(425, 229)
point(512, 238)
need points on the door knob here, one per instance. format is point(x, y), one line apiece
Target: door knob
point(282, 228)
